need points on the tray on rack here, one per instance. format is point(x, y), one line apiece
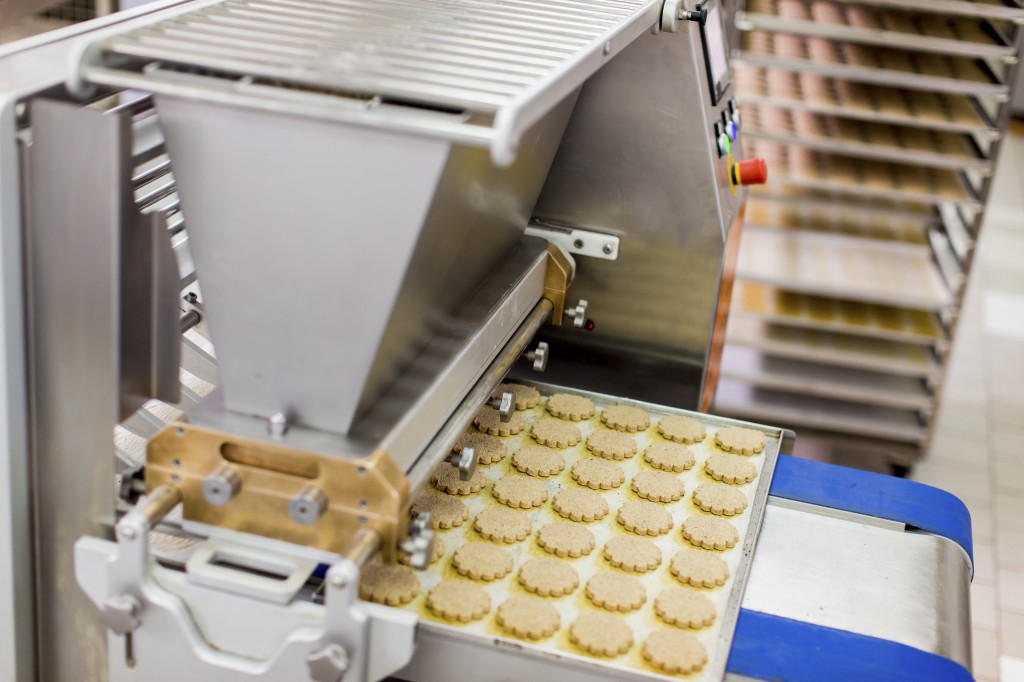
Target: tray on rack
point(850, 268)
point(827, 314)
point(814, 379)
point(821, 94)
point(816, 170)
point(908, 223)
point(485, 635)
point(745, 401)
point(868, 64)
point(868, 140)
point(926, 32)
point(833, 348)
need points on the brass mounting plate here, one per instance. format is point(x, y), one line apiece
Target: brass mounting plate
point(369, 492)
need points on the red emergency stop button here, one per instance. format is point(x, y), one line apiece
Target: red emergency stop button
point(749, 172)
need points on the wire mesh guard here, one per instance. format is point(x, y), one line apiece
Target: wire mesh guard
point(506, 59)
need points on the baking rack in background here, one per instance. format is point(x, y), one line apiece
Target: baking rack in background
point(881, 122)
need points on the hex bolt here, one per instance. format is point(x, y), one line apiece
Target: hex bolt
point(221, 486)
point(308, 506)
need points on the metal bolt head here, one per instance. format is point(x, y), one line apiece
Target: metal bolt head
point(277, 425)
point(221, 486)
point(419, 545)
point(308, 506)
point(121, 613)
point(607, 249)
point(126, 532)
point(328, 664)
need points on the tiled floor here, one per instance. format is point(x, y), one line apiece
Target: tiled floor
point(978, 445)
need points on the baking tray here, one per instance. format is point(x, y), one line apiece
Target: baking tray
point(852, 268)
point(826, 95)
point(890, 28)
point(910, 325)
point(866, 64)
point(868, 140)
point(807, 168)
point(806, 212)
point(485, 635)
point(989, 9)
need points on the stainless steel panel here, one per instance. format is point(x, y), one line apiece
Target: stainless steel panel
point(651, 175)
point(373, 237)
point(73, 253)
point(903, 586)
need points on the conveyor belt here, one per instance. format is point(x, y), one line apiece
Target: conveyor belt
point(823, 313)
point(892, 27)
point(874, 65)
point(878, 141)
point(821, 94)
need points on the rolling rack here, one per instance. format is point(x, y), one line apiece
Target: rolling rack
point(881, 121)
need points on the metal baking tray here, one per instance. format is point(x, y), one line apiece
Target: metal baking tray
point(893, 27)
point(989, 9)
point(480, 646)
point(868, 140)
point(825, 95)
point(747, 401)
point(816, 170)
point(874, 65)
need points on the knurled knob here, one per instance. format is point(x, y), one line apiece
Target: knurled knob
point(750, 172)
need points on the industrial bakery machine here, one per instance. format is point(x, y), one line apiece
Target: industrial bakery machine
point(264, 262)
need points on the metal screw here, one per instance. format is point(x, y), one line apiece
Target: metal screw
point(127, 532)
point(466, 461)
point(191, 297)
point(338, 582)
point(607, 48)
point(607, 249)
point(539, 357)
point(277, 425)
point(578, 243)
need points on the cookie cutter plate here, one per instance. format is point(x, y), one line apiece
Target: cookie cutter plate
point(480, 650)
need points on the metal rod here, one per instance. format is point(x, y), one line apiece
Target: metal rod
point(365, 544)
point(159, 503)
point(189, 320)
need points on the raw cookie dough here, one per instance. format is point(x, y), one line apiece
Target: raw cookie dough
point(685, 608)
point(699, 568)
point(521, 492)
point(601, 634)
point(740, 440)
point(538, 460)
point(720, 499)
point(681, 429)
point(488, 448)
point(502, 525)
point(616, 591)
point(458, 600)
point(645, 518)
point(674, 651)
point(482, 561)
point(526, 396)
point(658, 486)
point(548, 577)
point(438, 552)
point(445, 511)
point(669, 456)
point(579, 505)
point(528, 617)
point(556, 433)
point(730, 468)
point(598, 474)
point(632, 553)
point(388, 584)
point(710, 532)
point(565, 539)
point(611, 444)
point(489, 421)
point(446, 478)
point(571, 407)
point(625, 418)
